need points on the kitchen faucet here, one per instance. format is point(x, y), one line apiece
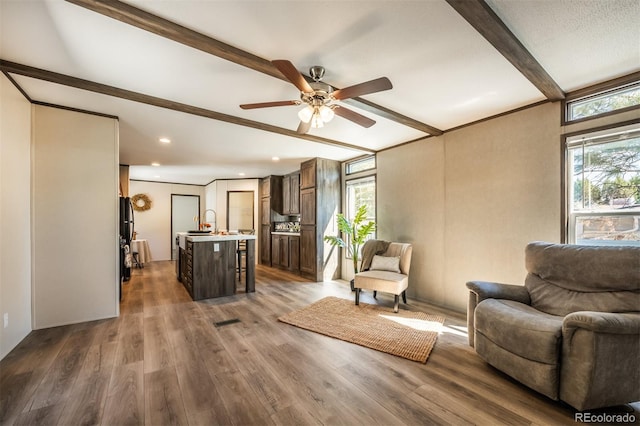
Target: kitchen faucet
point(215, 215)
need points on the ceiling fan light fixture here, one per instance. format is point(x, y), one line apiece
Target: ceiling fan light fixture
point(316, 121)
point(326, 113)
point(306, 113)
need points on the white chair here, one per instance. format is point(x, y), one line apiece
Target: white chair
point(388, 273)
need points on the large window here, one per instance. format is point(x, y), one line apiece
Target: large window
point(361, 190)
point(603, 191)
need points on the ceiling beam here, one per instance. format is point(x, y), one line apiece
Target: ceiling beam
point(65, 80)
point(481, 17)
point(139, 18)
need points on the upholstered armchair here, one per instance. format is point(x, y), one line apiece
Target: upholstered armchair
point(387, 272)
point(572, 332)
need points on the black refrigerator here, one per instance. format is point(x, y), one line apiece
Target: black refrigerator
point(126, 235)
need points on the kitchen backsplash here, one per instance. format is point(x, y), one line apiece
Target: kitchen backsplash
point(287, 226)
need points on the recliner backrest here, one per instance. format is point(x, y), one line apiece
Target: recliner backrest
point(565, 278)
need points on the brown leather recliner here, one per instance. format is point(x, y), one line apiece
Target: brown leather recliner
point(572, 332)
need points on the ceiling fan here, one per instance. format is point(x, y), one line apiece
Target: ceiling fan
point(319, 98)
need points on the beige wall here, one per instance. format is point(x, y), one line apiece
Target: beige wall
point(471, 199)
point(74, 217)
point(15, 207)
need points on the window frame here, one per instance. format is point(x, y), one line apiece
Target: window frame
point(360, 160)
point(568, 216)
point(611, 87)
point(347, 177)
point(363, 177)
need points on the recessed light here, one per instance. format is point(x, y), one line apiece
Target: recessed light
point(165, 140)
point(155, 164)
point(275, 158)
point(157, 176)
point(241, 173)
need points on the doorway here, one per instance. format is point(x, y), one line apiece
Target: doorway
point(184, 209)
point(240, 210)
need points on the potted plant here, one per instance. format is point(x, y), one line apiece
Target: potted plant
point(354, 234)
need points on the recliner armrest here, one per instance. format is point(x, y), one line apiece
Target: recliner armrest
point(481, 290)
point(491, 290)
point(602, 322)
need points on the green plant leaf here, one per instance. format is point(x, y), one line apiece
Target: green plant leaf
point(361, 214)
point(335, 241)
point(343, 224)
point(364, 231)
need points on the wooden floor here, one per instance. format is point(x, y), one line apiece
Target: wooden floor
point(167, 360)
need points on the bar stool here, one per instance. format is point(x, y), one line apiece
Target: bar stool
point(241, 250)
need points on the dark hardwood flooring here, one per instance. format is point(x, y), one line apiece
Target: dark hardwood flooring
point(169, 360)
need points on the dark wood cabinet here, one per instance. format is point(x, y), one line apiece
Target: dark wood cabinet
point(210, 269)
point(265, 244)
point(265, 211)
point(294, 253)
point(308, 174)
point(285, 252)
point(308, 206)
point(319, 203)
point(308, 249)
point(270, 211)
point(286, 194)
point(280, 251)
point(291, 194)
point(265, 187)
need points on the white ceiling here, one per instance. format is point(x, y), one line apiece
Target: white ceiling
point(444, 73)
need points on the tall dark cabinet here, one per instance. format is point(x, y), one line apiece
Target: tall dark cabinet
point(270, 208)
point(291, 194)
point(319, 204)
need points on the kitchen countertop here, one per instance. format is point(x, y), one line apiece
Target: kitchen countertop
point(201, 238)
point(295, 234)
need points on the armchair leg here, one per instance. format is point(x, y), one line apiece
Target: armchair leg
point(396, 303)
point(357, 290)
point(404, 297)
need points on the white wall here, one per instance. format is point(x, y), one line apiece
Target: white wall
point(471, 199)
point(154, 224)
point(15, 206)
point(216, 199)
point(74, 217)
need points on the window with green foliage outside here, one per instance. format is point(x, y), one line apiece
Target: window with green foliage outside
point(601, 103)
point(604, 187)
point(361, 192)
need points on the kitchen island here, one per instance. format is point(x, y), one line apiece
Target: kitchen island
point(207, 264)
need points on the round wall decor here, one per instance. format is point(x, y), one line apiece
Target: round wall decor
point(141, 202)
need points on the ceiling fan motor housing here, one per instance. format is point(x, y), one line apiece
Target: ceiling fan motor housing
point(316, 72)
point(321, 94)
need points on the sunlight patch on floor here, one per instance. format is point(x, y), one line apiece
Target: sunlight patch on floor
point(416, 324)
point(456, 329)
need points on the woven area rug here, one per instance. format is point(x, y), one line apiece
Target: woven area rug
point(407, 334)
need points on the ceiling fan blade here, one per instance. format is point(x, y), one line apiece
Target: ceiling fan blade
point(354, 116)
point(304, 127)
point(377, 85)
point(292, 74)
point(269, 104)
